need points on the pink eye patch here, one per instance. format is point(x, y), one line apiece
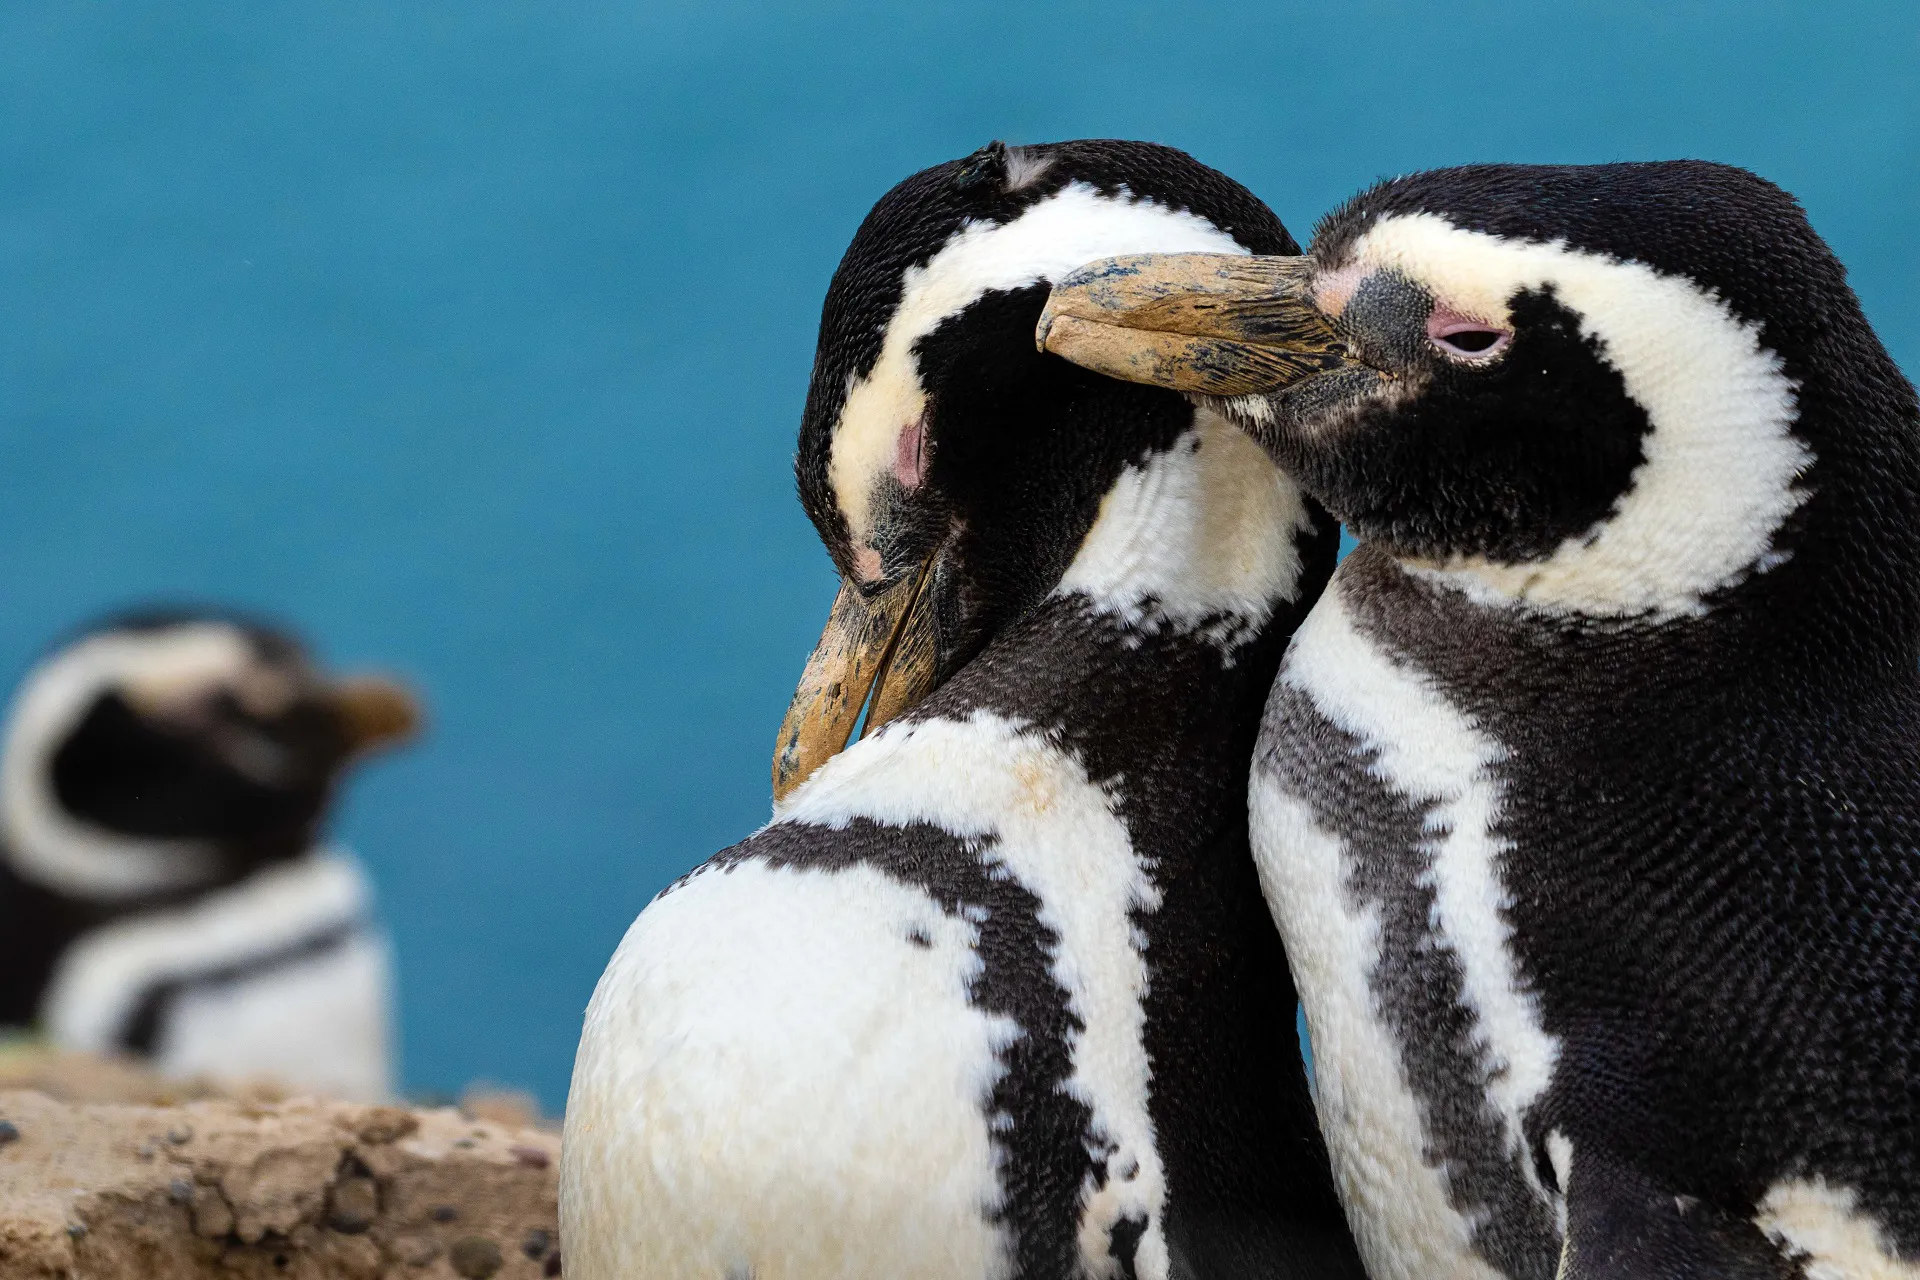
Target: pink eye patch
point(910, 454)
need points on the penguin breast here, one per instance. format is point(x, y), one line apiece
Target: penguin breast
point(885, 1036)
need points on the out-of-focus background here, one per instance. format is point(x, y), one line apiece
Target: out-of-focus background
point(471, 338)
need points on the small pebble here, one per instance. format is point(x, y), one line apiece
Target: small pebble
point(381, 1125)
point(533, 1157)
point(416, 1251)
point(474, 1257)
point(444, 1213)
point(536, 1244)
point(465, 1144)
point(146, 1151)
point(212, 1215)
point(353, 1205)
point(178, 1136)
point(180, 1191)
point(77, 1230)
point(9, 1132)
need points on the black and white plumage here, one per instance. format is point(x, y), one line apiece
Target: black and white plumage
point(994, 995)
point(163, 892)
point(1588, 799)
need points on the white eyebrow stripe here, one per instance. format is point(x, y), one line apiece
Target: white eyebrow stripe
point(1050, 238)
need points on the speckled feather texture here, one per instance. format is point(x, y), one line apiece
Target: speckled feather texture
point(1589, 796)
point(995, 995)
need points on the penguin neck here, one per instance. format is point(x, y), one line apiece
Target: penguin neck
point(1768, 655)
point(1152, 657)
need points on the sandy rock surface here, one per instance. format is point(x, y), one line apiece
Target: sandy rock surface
point(300, 1188)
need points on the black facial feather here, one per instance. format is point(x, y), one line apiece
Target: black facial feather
point(1043, 442)
point(1505, 462)
point(127, 774)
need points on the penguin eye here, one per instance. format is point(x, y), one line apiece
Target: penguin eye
point(1471, 341)
point(1465, 338)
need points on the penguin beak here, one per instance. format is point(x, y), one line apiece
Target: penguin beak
point(1204, 323)
point(374, 711)
point(879, 652)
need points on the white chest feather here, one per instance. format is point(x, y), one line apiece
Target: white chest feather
point(1390, 1161)
point(1204, 536)
point(1821, 1226)
point(771, 1083)
point(239, 995)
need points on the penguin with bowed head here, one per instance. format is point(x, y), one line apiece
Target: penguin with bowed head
point(995, 993)
point(164, 891)
point(1588, 800)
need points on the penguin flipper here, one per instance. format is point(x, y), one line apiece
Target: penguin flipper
point(1621, 1225)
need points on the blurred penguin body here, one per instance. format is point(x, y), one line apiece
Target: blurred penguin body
point(162, 890)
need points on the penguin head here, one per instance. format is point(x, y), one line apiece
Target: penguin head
point(1618, 389)
point(170, 753)
point(950, 467)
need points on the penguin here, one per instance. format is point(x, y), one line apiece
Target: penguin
point(1588, 798)
point(994, 994)
point(164, 891)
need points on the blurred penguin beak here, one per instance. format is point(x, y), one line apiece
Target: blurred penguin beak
point(1208, 324)
point(374, 711)
point(878, 652)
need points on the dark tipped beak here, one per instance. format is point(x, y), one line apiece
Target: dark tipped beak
point(878, 652)
point(1209, 324)
point(374, 711)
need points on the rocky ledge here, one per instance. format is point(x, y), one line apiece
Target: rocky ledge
point(293, 1189)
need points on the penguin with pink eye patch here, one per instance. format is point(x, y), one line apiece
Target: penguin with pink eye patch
point(1588, 798)
point(994, 996)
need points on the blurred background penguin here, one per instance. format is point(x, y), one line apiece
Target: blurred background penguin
point(165, 889)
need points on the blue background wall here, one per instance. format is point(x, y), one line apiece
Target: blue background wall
point(471, 337)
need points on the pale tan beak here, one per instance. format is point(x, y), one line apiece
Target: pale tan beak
point(376, 711)
point(878, 653)
point(1204, 323)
